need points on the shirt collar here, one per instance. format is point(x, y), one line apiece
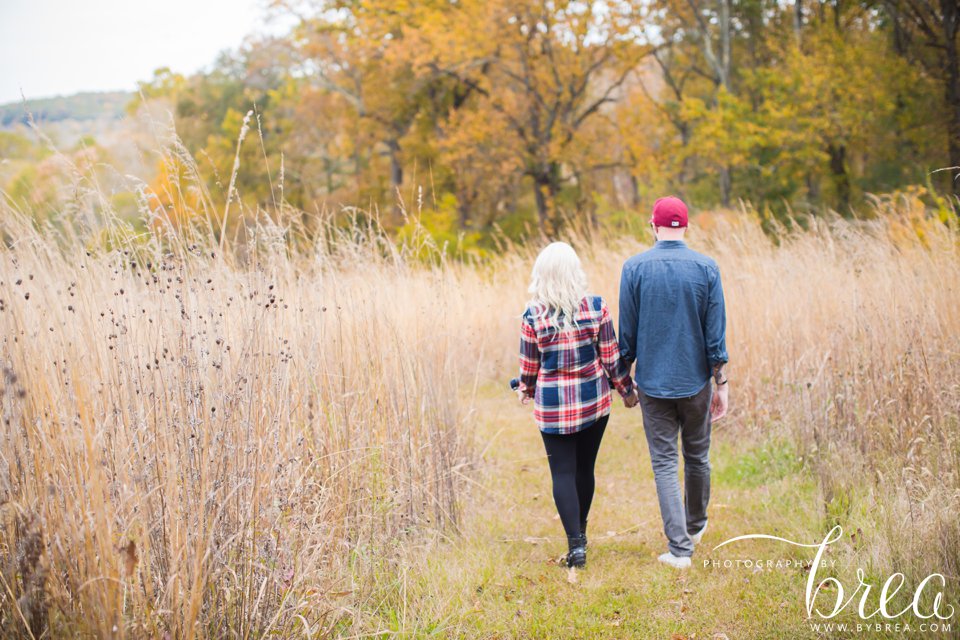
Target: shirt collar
point(670, 244)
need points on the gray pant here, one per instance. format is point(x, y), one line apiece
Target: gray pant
point(662, 419)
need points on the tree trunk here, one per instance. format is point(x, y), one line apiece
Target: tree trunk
point(546, 185)
point(813, 188)
point(634, 191)
point(542, 213)
point(725, 187)
point(725, 183)
point(797, 19)
point(396, 170)
point(328, 173)
point(725, 44)
point(685, 172)
point(841, 179)
point(463, 210)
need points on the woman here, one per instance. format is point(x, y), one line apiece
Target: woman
point(568, 359)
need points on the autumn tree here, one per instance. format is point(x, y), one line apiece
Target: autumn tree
point(697, 42)
point(545, 70)
point(928, 32)
point(369, 54)
point(497, 114)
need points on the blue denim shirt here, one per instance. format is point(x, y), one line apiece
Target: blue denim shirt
point(672, 319)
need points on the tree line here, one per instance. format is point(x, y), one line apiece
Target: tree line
point(498, 114)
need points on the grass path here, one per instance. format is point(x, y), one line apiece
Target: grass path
point(500, 578)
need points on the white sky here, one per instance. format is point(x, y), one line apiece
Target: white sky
point(59, 47)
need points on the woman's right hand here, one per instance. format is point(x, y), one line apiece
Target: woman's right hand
point(632, 399)
point(523, 397)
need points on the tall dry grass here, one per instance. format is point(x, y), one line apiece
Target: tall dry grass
point(244, 434)
point(208, 449)
point(845, 337)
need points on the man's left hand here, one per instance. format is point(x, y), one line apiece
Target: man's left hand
point(632, 399)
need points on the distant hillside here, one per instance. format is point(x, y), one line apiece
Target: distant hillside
point(79, 107)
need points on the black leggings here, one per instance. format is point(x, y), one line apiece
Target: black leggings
point(572, 458)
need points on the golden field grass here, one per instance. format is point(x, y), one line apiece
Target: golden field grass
point(290, 435)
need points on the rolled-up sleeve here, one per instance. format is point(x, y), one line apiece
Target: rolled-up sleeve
point(628, 317)
point(529, 357)
point(715, 322)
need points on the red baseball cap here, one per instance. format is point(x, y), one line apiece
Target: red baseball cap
point(669, 212)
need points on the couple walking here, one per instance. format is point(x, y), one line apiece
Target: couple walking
point(672, 326)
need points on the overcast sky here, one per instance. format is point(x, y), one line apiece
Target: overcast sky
point(59, 47)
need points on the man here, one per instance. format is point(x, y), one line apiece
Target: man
point(672, 323)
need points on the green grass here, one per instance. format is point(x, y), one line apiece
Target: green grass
point(755, 466)
point(500, 579)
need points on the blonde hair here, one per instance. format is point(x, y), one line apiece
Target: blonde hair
point(558, 284)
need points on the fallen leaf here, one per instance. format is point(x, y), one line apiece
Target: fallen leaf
point(572, 575)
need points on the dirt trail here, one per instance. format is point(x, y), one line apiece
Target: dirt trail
point(501, 579)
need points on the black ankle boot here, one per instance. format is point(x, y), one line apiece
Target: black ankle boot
point(577, 555)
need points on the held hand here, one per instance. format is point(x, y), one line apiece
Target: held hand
point(523, 397)
point(632, 399)
point(720, 402)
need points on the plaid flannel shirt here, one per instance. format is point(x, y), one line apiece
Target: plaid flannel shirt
point(569, 373)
